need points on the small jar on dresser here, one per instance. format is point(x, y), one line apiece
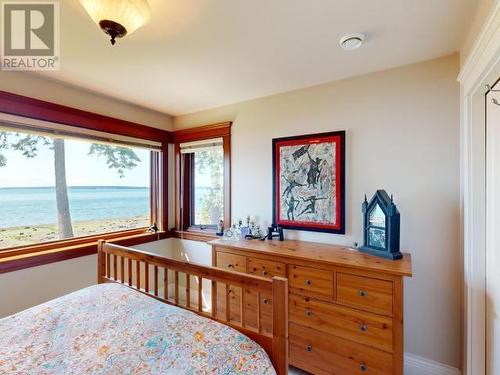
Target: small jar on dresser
point(345, 307)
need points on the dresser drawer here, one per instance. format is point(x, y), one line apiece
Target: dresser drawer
point(231, 262)
point(365, 293)
point(311, 282)
point(361, 327)
point(320, 353)
point(265, 268)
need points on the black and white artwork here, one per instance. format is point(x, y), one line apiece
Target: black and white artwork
point(308, 174)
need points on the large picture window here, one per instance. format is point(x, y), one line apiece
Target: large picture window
point(56, 187)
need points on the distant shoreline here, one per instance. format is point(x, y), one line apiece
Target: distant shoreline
point(37, 234)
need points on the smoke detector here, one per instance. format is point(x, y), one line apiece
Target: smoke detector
point(352, 41)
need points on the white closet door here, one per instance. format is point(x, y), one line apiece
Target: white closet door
point(493, 232)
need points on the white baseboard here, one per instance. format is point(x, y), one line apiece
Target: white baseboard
point(415, 365)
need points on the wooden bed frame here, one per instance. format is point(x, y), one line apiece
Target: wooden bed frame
point(117, 264)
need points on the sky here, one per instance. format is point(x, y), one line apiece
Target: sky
point(81, 169)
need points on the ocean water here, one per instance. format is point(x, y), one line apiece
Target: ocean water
point(34, 206)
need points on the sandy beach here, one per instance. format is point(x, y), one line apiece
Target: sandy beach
point(29, 235)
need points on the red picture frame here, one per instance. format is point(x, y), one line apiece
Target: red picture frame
point(309, 182)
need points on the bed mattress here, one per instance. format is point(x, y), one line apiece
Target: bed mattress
point(112, 329)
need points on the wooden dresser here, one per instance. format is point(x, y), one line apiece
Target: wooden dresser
point(345, 307)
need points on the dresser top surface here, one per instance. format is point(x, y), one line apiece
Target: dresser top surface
point(321, 253)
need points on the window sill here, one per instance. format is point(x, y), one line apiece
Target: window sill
point(195, 234)
point(21, 258)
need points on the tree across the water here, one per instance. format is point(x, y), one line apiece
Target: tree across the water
point(211, 204)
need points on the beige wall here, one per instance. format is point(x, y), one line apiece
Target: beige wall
point(22, 289)
point(402, 135)
point(477, 23)
point(34, 86)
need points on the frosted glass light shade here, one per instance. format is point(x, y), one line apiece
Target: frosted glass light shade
point(131, 14)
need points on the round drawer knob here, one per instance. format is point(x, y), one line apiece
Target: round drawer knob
point(363, 328)
point(229, 265)
point(309, 348)
point(362, 367)
point(265, 300)
point(264, 273)
point(363, 293)
point(308, 282)
point(309, 312)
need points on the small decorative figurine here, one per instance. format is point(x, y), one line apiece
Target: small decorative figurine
point(240, 231)
point(220, 228)
point(245, 230)
point(381, 226)
point(232, 233)
point(255, 231)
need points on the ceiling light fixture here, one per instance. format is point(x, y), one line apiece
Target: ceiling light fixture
point(352, 41)
point(118, 18)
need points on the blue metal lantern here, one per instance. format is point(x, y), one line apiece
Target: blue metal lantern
point(381, 227)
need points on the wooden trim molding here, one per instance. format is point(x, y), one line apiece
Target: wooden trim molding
point(194, 235)
point(59, 244)
point(41, 110)
point(222, 129)
point(13, 262)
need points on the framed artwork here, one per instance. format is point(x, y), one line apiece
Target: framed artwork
point(309, 182)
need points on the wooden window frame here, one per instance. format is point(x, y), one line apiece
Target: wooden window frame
point(16, 258)
point(183, 228)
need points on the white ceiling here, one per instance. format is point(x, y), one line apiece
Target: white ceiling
point(198, 54)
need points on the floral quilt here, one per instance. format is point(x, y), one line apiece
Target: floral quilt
point(111, 329)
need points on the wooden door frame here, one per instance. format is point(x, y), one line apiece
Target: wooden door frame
point(479, 70)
